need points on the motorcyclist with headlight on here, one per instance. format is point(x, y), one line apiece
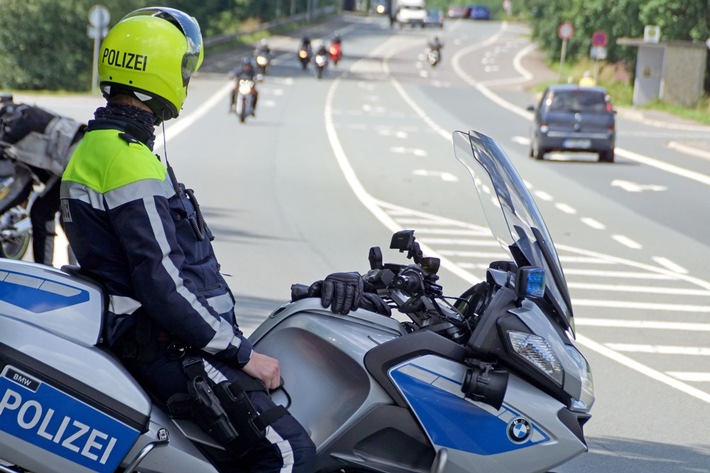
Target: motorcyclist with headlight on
point(140, 232)
point(245, 70)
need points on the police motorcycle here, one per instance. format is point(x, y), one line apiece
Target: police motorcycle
point(320, 61)
point(486, 381)
point(18, 191)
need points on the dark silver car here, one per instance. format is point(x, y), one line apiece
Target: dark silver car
point(574, 118)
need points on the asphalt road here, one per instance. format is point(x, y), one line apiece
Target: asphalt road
point(331, 167)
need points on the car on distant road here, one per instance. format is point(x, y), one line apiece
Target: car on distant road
point(573, 118)
point(479, 12)
point(457, 11)
point(434, 17)
point(380, 7)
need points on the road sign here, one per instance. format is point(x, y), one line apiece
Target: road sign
point(599, 38)
point(597, 52)
point(99, 16)
point(651, 33)
point(565, 30)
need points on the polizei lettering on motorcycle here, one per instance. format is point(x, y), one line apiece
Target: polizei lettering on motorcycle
point(124, 59)
point(64, 431)
point(35, 411)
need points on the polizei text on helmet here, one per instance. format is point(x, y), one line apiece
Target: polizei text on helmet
point(125, 60)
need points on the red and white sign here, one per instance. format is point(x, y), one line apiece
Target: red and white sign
point(599, 39)
point(565, 30)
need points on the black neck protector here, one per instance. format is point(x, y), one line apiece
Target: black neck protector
point(138, 123)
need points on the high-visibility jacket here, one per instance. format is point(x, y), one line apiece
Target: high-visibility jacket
point(133, 229)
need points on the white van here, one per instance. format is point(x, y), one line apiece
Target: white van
point(410, 12)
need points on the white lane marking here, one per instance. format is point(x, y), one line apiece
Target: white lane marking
point(668, 264)
point(627, 242)
point(678, 291)
point(403, 150)
point(374, 206)
point(593, 223)
point(568, 209)
point(642, 324)
point(694, 377)
point(659, 349)
point(617, 274)
point(444, 176)
point(643, 369)
point(637, 305)
point(629, 186)
point(688, 150)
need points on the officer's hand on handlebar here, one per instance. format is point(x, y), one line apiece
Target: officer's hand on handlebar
point(341, 292)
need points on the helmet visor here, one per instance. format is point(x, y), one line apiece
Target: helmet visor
point(190, 28)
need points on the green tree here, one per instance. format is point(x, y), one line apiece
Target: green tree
point(44, 43)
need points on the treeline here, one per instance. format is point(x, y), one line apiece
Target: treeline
point(679, 20)
point(44, 43)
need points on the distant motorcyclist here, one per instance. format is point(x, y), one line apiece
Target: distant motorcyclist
point(320, 59)
point(336, 49)
point(306, 44)
point(305, 52)
point(435, 45)
point(244, 71)
point(262, 57)
point(263, 48)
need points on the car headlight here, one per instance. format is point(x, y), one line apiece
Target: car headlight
point(537, 352)
point(544, 129)
point(586, 399)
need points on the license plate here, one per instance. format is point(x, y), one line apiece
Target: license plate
point(577, 143)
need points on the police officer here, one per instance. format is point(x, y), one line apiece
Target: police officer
point(39, 143)
point(133, 226)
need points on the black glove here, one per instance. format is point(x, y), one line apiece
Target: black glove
point(342, 292)
point(374, 303)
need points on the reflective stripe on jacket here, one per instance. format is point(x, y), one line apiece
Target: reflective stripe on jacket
point(129, 227)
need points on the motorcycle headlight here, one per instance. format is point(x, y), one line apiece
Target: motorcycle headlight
point(245, 87)
point(302, 53)
point(537, 352)
point(586, 399)
point(261, 60)
point(320, 60)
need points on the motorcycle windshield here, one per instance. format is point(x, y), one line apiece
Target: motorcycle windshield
point(513, 217)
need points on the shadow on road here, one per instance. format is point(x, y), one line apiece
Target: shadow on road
point(614, 454)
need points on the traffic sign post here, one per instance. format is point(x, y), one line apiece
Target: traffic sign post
point(565, 31)
point(99, 17)
point(598, 50)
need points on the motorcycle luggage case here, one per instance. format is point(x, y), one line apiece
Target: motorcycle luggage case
point(65, 403)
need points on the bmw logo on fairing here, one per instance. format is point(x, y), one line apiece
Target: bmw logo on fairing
point(519, 430)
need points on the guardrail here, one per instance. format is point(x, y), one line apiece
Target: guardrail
point(225, 38)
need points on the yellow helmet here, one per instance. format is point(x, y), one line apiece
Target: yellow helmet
point(151, 54)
